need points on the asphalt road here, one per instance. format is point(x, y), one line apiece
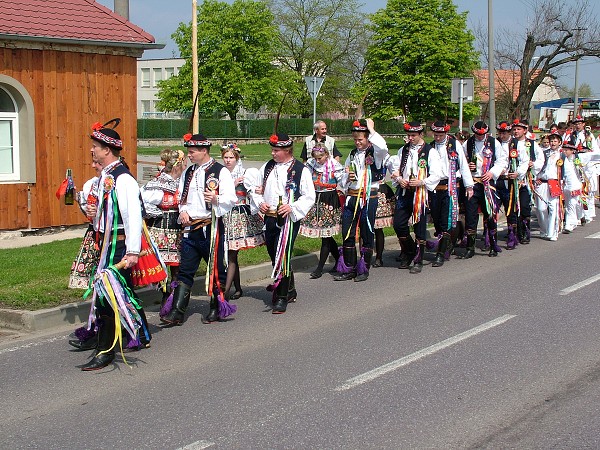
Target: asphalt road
point(481, 353)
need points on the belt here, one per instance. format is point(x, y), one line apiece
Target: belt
point(271, 213)
point(544, 181)
point(199, 223)
point(120, 237)
point(477, 180)
point(354, 193)
point(441, 187)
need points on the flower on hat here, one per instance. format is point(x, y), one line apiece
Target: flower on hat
point(96, 126)
point(503, 126)
point(187, 137)
point(356, 123)
point(406, 126)
point(273, 139)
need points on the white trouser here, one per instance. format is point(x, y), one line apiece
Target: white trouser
point(571, 211)
point(547, 212)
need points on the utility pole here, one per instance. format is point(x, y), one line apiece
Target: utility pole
point(492, 102)
point(195, 118)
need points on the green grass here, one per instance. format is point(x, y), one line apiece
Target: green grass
point(262, 152)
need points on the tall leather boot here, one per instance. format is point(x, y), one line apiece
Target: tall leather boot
point(408, 249)
point(470, 245)
point(213, 312)
point(181, 299)
point(349, 254)
point(292, 294)
point(417, 266)
point(526, 231)
point(106, 337)
point(493, 242)
point(441, 251)
point(363, 266)
point(486, 236)
point(511, 242)
point(281, 296)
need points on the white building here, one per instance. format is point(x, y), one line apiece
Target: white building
point(150, 72)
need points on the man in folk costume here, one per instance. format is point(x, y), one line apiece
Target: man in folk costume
point(206, 194)
point(417, 170)
point(321, 137)
point(552, 171)
point(364, 171)
point(117, 220)
point(445, 197)
point(284, 194)
point(522, 149)
point(583, 140)
point(487, 160)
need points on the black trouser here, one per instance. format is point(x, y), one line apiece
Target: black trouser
point(503, 192)
point(350, 221)
point(476, 202)
point(403, 212)
point(439, 206)
point(272, 231)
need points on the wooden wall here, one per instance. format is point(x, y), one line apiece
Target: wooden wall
point(70, 91)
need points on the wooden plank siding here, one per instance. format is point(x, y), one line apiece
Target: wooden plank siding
point(70, 91)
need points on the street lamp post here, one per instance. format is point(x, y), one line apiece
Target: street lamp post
point(492, 102)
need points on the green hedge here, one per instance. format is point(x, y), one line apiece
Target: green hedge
point(231, 129)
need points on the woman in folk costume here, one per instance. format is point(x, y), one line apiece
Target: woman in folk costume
point(323, 219)
point(418, 171)
point(572, 191)
point(243, 224)
point(364, 172)
point(284, 193)
point(117, 218)
point(551, 172)
point(160, 196)
point(84, 265)
point(206, 194)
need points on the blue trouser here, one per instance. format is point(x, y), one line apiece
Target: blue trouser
point(195, 247)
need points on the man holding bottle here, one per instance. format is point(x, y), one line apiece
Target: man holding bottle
point(284, 193)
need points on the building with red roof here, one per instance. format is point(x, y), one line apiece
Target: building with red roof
point(65, 65)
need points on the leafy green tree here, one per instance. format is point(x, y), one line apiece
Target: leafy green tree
point(323, 38)
point(235, 60)
point(418, 46)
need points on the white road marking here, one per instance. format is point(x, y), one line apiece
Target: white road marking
point(389, 367)
point(33, 344)
point(198, 445)
point(577, 286)
point(593, 236)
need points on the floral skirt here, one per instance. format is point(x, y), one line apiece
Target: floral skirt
point(386, 202)
point(243, 229)
point(324, 218)
point(166, 234)
point(84, 265)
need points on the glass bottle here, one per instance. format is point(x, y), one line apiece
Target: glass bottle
point(70, 192)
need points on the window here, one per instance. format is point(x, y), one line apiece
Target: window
point(145, 106)
point(169, 72)
point(157, 76)
point(9, 138)
point(145, 82)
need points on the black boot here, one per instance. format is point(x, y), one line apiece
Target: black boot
point(526, 224)
point(441, 251)
point(408, 249)
point(349, 254)
point(292, 294)
point(470, 246)
point(493, 242)
point(281, 296)
point(213, 313)
point(105, 354)
point(181, 299)
point(417, 266)
point(363, 271)
point(81, 346)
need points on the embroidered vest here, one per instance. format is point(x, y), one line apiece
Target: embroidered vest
point(294, 174)
point(376, 174)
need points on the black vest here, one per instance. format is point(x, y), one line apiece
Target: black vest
point(294, 174)
point(514, 142)
point(491, 142)
point(423, 154)
point(376, 174)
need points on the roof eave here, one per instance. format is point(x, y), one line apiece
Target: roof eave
point(66, 41)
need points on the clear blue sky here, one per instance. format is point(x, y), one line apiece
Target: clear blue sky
point(160, 18)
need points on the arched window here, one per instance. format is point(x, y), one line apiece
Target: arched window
point(17, 133)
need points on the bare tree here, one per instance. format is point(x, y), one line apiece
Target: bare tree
point(556, 35)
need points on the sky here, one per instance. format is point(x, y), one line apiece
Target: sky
point(160, 18)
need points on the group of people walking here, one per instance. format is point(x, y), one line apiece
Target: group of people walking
point(210, 211)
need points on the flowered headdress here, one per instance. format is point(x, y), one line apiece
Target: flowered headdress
point(440, 127)
point(106, 134)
